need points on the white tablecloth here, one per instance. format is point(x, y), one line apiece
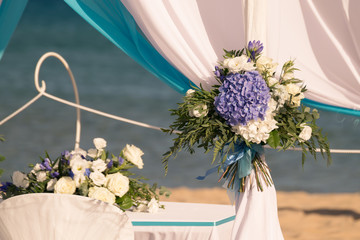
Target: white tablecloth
point(184, 221)
point(46, 216)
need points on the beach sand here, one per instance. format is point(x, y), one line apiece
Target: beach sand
point(303, 216)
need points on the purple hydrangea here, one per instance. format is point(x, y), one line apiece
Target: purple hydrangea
point(243, 97)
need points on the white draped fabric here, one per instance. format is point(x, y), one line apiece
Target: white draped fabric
point(323, 36)
point(45, 216)
point(256, 213)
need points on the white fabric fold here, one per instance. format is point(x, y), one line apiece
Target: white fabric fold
point(256, 212)
point(322, 36)
point(43, 216)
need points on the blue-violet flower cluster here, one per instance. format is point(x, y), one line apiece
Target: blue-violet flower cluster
point(243, 97)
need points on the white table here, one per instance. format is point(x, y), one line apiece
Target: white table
point(180, 221)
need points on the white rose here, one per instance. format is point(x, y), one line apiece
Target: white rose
point(305, 133)
point(51, 184)
point(98, 178)
point(65, 185)
point(20, 179)
point(41, 176)
point(153, 206)
point(99, 143)
point(200, 110)
point(238, 64)
point(133, 154)
point(117, 184)
point(190, 92)
point(99, 165)
point(266, 64)
point(293, 90)
point(102, 194)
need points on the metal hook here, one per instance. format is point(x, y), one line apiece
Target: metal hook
point(42, 88)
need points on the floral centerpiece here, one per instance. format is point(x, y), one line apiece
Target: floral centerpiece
point(95, 173)
point(251, 107)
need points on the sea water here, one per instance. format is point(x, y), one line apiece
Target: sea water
point(110, 81)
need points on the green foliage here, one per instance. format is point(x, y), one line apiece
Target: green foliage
point(209, 132)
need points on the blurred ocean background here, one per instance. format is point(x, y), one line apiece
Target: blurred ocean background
point(110, 81)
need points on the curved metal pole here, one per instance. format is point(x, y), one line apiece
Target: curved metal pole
point(42, 88)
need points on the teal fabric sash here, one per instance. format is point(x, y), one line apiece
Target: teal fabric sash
point(10, 13)
point(111, 18)
point(242, 155)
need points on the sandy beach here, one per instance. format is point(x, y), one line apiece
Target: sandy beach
point(303, 216)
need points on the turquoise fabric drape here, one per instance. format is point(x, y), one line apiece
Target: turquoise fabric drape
point(326, 107)
point(10, 13)
point(112, 19)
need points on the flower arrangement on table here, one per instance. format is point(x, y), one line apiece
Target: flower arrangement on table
point(249, 108)
point(95, 173)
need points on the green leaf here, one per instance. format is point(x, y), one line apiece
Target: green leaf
point(274, 139)
point(125, 202)
point(2, 158)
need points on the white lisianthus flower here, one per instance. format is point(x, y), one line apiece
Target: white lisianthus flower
point(99, 143)
point(153, 206)
point(273, 81)
point(20, 179)
point(117, 184)
point(98, 178)
point(79, 179)
point(200, 110)
point(51, 184)
point(142, 207)
point(35, 169)
point(190, 92)
point(305, 133)
point(79, 166)
point(103, 194)
point(41, 176)
point(94, 153)
point(266, 64)
point(133, 154)
point(238, 64)
point(98, 165)
point(293, 90)
point(65, 185)
point(78, 153)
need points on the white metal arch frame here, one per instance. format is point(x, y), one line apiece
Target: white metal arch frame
point(42, 92)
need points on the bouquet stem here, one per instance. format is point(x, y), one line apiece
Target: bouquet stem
point(261, 175)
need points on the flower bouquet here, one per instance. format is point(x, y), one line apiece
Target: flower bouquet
point(251, 107)
point(95, 173)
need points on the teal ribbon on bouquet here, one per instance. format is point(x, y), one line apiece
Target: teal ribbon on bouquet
point(242, 154)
